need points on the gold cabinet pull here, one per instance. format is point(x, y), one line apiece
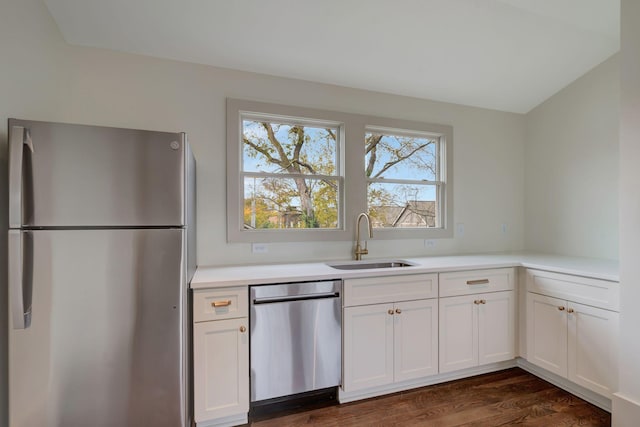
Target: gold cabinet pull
point(243, 329)
point(478, 282)
point(476, 302)
point(483, 301)
point(561, 308)
point(390, 311)
point(217, 304)
point(398, 311)
point(570, 310)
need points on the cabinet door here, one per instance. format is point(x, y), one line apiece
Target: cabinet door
point(415, 339)
point(593, 348)
point(496, 327)
point(368, 346)
point(547, 333)
point(221, 368)
point(458, 333)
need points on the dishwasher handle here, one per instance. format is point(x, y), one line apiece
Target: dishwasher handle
point(289, 298)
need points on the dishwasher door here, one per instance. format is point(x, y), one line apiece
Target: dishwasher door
point(295, 338)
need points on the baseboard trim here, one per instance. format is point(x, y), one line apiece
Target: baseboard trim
point(232, 420)
point(626, 411)
point(344, 397)
point(573, 388)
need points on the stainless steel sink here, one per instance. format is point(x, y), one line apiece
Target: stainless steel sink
point(365, 265)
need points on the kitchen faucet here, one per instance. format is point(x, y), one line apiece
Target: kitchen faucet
point(359, 250)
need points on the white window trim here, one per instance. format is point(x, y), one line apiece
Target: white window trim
point(353, 182)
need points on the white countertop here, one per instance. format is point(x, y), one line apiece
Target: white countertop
point(213, 277)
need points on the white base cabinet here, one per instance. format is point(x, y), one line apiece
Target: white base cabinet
point(571, 339)
point(547, 333)
point(593, 347)
point(476, 330)
point(368, 346)
point(389, 342)
point(411, 330)
point(220, 357)
point(476, 327)
point(415, 332)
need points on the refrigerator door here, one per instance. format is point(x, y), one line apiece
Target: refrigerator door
point(107, 337)
point(63, 175)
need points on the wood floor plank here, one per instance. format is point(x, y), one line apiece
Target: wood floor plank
point(509, 397)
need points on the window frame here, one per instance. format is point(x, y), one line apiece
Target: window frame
point(338, 177)
point(441, 169)
point(351, 173)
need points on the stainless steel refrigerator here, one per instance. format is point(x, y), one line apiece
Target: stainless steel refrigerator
point(101, 251)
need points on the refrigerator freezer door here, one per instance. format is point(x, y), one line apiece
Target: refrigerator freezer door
point(86, 176)
point(107, 336)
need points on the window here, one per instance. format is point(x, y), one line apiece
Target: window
point(290, 173)
point(404, 185)
point(296, 174)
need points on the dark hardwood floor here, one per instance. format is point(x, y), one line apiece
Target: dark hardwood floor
point(510, 397)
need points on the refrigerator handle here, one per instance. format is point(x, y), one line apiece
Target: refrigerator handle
point(21, 315)
point(19, 138)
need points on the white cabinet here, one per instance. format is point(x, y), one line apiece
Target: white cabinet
point(547, 333)
point(592, 347)
point(477, 318)
point(415, 329)
point(573, 340)
point(476, 330)
point(368, 346)
point(393, 341)
point(221, 356)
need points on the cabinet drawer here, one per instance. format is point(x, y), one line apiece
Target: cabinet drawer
point(476, 281)
point(376, 290)
point(223, 303)
point(584, 290)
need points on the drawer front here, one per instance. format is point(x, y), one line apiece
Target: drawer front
point(376, 290)
point(584, 290)
point(476, 281)
point(223, 303)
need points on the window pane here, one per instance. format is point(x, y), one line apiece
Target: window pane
point(277, 203)
point(400, 157)
point(284, 148)
point(402, 205)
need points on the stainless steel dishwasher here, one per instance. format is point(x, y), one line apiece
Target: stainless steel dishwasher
point(295, 338)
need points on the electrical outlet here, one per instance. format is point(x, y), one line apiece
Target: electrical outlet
point(259, 248)
point(460, 229)
point(429, 243)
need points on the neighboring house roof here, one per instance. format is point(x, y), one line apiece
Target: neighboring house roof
point(415, 214)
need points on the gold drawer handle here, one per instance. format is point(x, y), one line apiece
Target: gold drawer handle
point(398, 311)
point(390, 311)
point(476, 302)
point(243, 329)
point(483, 301)
point(570, 310)
point(217, 304)
point(478, 282)
point(561, 308)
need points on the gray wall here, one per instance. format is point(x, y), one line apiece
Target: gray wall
point(626, 403)
point(571, 161)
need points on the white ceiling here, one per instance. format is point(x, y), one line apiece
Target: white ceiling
point(508, 55)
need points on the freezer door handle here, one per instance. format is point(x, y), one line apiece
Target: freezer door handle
point(20, 294)
point(20, 137)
